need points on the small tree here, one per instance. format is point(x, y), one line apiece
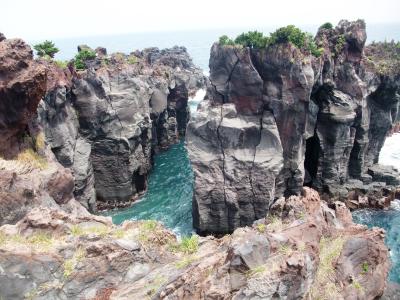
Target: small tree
point(47, 48)
point(326, 25)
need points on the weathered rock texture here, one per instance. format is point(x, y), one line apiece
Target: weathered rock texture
point(29, 173)
point(22, 85)
point(105, 123)
point(278, 118)
point(306, 250)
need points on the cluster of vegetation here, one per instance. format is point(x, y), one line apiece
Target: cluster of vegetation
point(384, 57)
point(82, 57)
point(32, 158)
point(340, 42)
point(326, 25)
point(101, 230)
point(132, 59)
point(261, 227)
point(275, 223)
point(187, 245)
point(38, 241)
point(61, 63)
point(152, 233)
point(47, 49)
point(289, 34)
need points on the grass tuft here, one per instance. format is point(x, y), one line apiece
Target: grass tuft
point(70, 264)
point(357, 285)
point(118, 233)
point(255, 271)
point(285, 249)
point(41, 242)
point(261, 227)
point(32, 158)
point(275, 223)
point(187, 260)
point(101, 230)
point(188, 245)
point(364, 267)
point(324, 285)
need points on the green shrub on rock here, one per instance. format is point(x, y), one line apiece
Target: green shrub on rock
point(83, 56)
point(326, 25)
point(225, 40)
point(252, 39)
point(289, 34)
point(340, 42)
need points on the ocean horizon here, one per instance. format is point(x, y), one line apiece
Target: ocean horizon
point(197, 42)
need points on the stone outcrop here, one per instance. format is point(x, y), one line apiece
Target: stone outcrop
point(22, 85)
point(105, 123)
point(30, 176)
point(304, 249)
point(278, 118)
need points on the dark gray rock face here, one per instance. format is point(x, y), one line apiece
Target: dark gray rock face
point(107, 123)
point(278, 118)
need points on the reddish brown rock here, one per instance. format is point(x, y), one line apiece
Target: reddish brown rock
point(61, 186)
point(22, 86)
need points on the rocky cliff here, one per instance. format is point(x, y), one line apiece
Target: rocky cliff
point(51, 247)
point(105, 123)
point(278, 118)
point(30, 175)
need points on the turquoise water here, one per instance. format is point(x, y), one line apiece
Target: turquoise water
point(169, 195)
point(170, 188)
point(390, 221)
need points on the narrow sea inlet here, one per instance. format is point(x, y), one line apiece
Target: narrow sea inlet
point(170, 188)
point(169, 194)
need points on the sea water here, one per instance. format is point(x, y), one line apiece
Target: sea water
point(390, 221)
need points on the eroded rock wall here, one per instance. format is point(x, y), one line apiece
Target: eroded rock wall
point(106, 123)
point(329, 117)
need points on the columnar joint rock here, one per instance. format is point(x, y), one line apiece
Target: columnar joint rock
point(105, 123)
point(328, 117)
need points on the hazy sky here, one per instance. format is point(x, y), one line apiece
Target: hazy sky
point(39, 19)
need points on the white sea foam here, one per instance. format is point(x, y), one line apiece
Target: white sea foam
point(395, 204)
point(390, 153)
point(194, 101)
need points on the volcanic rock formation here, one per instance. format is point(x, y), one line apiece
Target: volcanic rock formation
point(278, 118)
point(106, 122)
point(30, 175)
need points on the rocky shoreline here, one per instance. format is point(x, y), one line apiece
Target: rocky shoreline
point(74, 142)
